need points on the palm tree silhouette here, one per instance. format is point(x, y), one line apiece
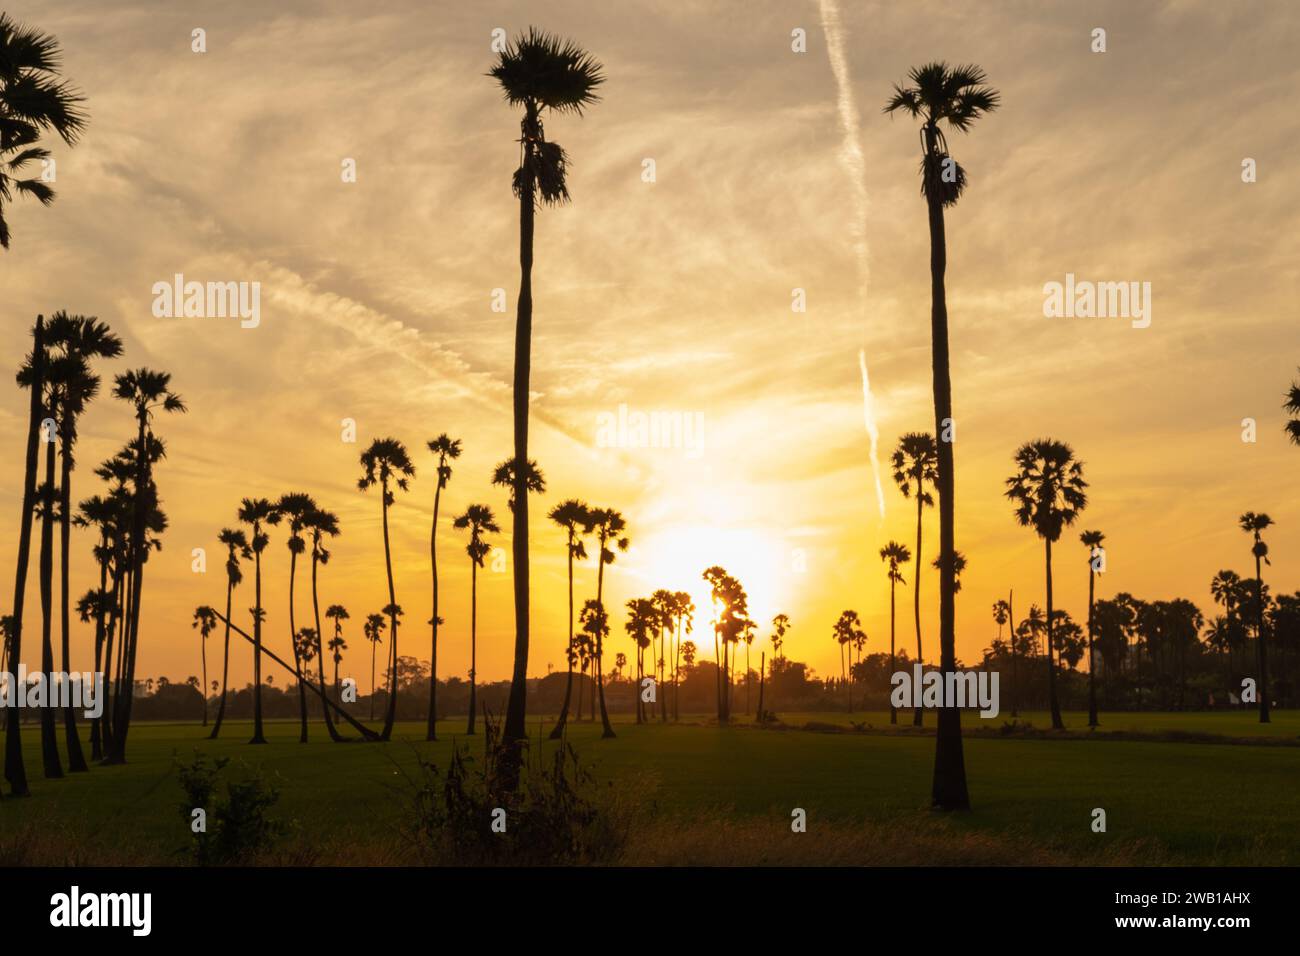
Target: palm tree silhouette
point(205, 619)
point(573, 516)
point(915, 463)
point(1092, 541)
point(480, 521)
point(1048, 491)
point(1253, 524)
point(447, 449)
point(322, 524)
point(847, 632)
point(293, 507)
point(608, 527)
point(956, 96)
point(642, 620)
point(386, 463)
point(258, 513)
point(373, 630)
point(665, 603)
point(33, 100)
point(147, 391)
point(338, 614)
point(537, 72)
point(237, 548)
point(896, 555)
point(1292, 407)
point(684, 611)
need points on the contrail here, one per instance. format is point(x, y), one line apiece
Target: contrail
point(855, 166)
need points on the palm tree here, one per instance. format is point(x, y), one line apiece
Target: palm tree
point(322, 524)
point(447, 449)
point(237, 548)
point(205, 619)
point(957, 96)
point(15, 772)
point(33, 100)
point(480, 521)
point(386, 463)
point(1292, 407)
point(573, 516)
point(373, 630)
point(1092, 541)
point(896, 555)
point(1253, 524)
point(293, 507)
point(537, 72)
point(1048, 491)
point(665, 603)
point(915, 463)
point(146, 391)
point(642, 621)
point(337, 646)
point(608, 526)
point(684, 611)
point(338, 614)
point(258, 513)
point(848, 632)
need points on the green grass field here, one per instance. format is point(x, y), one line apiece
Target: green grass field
point(701, 793)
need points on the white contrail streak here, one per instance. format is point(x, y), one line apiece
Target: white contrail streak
point(855, 167)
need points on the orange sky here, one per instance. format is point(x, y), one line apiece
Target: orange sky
point(675, 296)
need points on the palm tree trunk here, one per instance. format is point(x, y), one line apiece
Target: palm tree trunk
point(558, 730)
point(320, 652)
point(203, 690)
point(96, 735)
point(916, 602)
point(76, 759)
point(430, 730)
point(225, 665)
point(391, 716)
point(1260, 650)
point(257, 646)
point(607, 731)
point(297, 658)
point(1053, 703)
point(1015, 677)
point(514, 730)
point(473, 639)
point(893, 712)
point(949, 789)
point(1092, 687)
point(374, 646)
point(49, 739)
point(677, 659)
point(15, 772)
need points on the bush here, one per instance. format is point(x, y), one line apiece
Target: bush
point(237, 826)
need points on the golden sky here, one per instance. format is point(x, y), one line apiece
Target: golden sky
point(675, 296)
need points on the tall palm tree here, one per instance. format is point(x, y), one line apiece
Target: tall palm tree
point(642, 620)
point(237, 549)
point(34, 100)
point(1253, 524)
point(1048, 491)
point(895, 555)
point(915, 462)
point(148, 392)
point(373, 630)
point(338, 614)
point(480, 521)
point(847, 632)
point(337, 646)
point(684, 611)
point(447, 449)
point(953, 96)
point(258, 513)
point(1091, 540)
point(573, 516)
point(538, 72)
point(386, 463)
point(323, 524)
point(293, 507)
point(1292, 407)
point(608, 526)
point(665, 603)
point(205, 619)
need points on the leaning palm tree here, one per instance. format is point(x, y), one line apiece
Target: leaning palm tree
point(293, 507)
point(321, 524)
point(608, 526)
point(538, 72)
point(373, 631)
point(1048, 491)
point(955, 96)
point(1292, 407)
point(258, 513)
point(896, 555)
point(1092, 541)
point(237, 548)
point(34, 100)
point(386, 463)
point(447, 449)
point(205, 619)
point(915, 462)
point(1253, 524)
point(480, 521)
point(573, 516)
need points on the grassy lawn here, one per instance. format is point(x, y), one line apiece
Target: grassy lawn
point(1171, 802)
